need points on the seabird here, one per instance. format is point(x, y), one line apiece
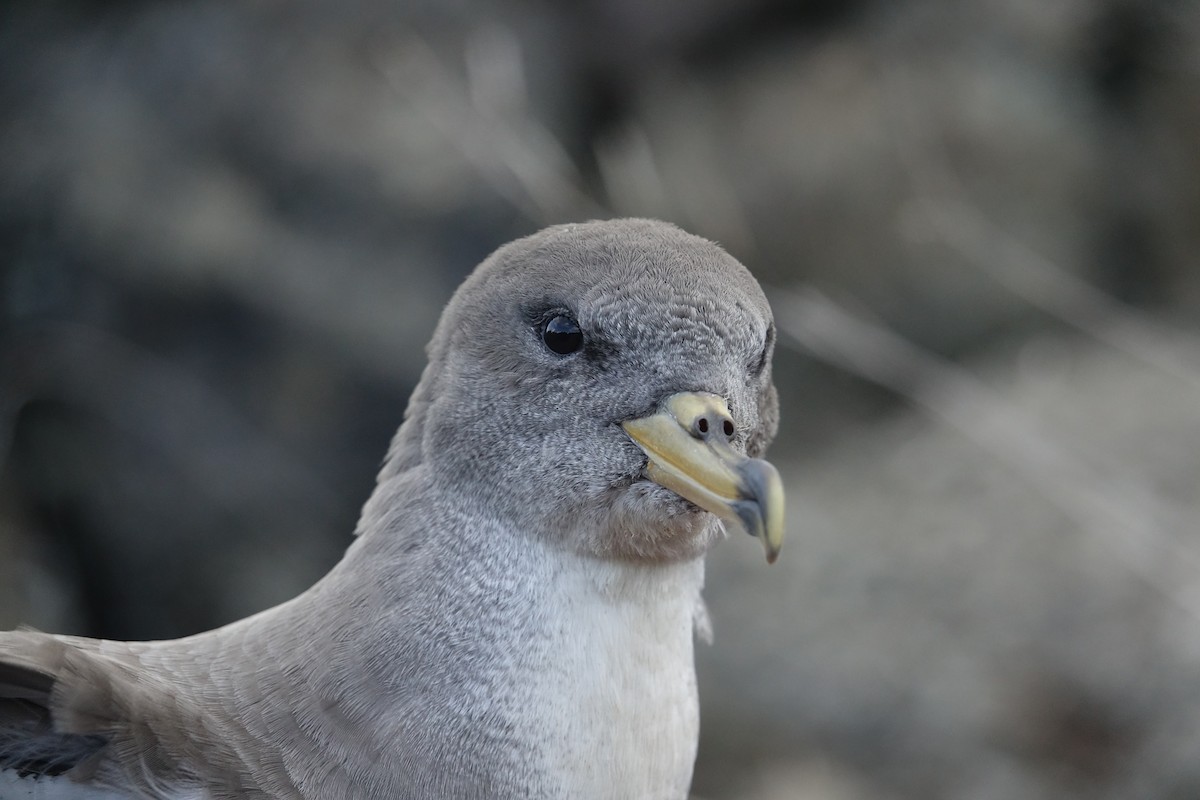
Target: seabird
point(515, 616)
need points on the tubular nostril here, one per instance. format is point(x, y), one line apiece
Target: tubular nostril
point(704, 425)
point(704, 415)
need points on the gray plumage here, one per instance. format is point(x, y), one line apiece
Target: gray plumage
point(515, 617)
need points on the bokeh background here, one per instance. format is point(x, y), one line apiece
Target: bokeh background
point(227, 230)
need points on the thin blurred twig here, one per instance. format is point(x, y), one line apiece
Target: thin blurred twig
point(954, 220)
point(1138, 528)
point(490, 125)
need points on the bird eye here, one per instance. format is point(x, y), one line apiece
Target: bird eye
point(760, 363)
point(562, 335)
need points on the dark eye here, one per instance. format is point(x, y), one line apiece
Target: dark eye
point(562, 335)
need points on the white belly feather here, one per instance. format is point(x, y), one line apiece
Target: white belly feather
point(621, 704)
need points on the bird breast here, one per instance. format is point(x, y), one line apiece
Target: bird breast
point(618, 700)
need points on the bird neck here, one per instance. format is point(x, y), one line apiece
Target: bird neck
point(549, 636)
point(422, 537)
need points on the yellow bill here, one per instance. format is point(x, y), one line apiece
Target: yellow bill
point(687, 443)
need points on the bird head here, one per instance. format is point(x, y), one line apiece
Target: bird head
point(606, 385)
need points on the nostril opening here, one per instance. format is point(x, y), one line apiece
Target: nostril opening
point(728, 427)
point(702, 425)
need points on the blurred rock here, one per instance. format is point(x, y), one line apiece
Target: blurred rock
point(946, 624)
point(808, 780)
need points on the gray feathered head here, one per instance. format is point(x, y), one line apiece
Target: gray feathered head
point(580, 372)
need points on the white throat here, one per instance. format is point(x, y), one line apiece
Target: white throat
point(620, 702)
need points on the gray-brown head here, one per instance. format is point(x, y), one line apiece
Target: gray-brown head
point(569, 356)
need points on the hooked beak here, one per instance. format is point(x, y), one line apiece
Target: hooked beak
point(687, 444)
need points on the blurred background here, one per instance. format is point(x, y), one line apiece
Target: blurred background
point(228, 229)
